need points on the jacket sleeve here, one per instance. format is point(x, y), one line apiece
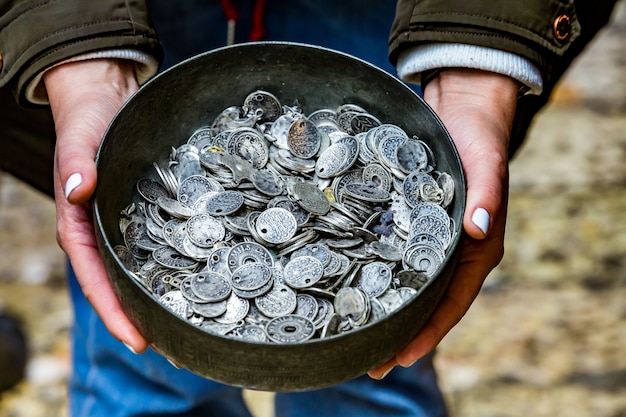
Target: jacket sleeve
point(36, 34)
point(548, 33)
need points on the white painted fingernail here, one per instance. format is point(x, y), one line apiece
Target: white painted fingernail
point(72, 182)
point(481, 219)
point(129, 347)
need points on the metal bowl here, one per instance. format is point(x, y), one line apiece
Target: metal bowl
point(168, 109)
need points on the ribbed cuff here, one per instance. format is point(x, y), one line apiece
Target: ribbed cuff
point(413, 62)
point(145, 67)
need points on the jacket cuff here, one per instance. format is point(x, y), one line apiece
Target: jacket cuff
point(145, 67)
point(35, 35)
point(414, 61)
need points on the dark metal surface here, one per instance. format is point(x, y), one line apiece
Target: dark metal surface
point(168, 109)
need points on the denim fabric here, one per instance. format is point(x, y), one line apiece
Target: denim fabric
point(110, 381)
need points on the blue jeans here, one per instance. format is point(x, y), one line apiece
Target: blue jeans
point(110, 381)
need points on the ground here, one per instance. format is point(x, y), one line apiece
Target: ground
point(544, 338)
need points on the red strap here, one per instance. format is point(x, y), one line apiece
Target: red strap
point(229, 10)
point(258, 31)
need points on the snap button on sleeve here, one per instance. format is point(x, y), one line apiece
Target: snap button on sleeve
point(562, 27)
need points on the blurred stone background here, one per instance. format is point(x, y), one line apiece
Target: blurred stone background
point(547, 334)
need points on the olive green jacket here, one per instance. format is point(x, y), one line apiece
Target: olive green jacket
point(36, 34)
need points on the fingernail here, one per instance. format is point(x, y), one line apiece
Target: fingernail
point(174, 364)
point(129, 347)
point(386, 373)
point(481, 219)
point(72, 182)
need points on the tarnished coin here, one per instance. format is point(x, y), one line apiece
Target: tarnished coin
point(303, 272)
point(411, 156)
point(269, 105)
point(422, 258)
point(224, 203)
point(303, 138)
point(317, 251)
point(210, 286)
point(413, 184)
point(332, 161)
point(171, 258)
point(290, 329)
point(374, 278)
point(351, 303)
point(251, 276)
point(310, 198)
point(151, 189)
point(367, 193)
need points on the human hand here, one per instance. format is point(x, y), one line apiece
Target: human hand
point(84, 97)
point(477, 108)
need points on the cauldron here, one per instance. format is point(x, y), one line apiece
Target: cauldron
point(168, 109)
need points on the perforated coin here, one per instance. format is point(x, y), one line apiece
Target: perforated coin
point(290, 329)
point(276, 225)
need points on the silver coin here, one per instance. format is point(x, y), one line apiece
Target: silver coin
point(306, 306)
point(411, 187)
point(187, 292)
point(376, 175)
point(317, 251)
point(290, 329)
point(171, 258)
point(267, 182)
point(374, 278)
point(387, 149)
point(224, 203)
point(391, 300)
point(279, 301)
point(218, 261)
point(351, 303)
point(205, 230)
point(176, 303)
point(251, 276)
point(276, 225)
point(363, 122)
point(151, 189)
point(422, 258)
point(301, 216)
point(367, 193)
point(210, 310)
point(201, 138)
point(174, 208)
point(194, 187)
point(236, 310)
point(250, 145)
point(210, 286)
point(248, 252)
point(332, 161)
point(269, 105)
point(303, 139)
point(303, 272)
point(411, 156)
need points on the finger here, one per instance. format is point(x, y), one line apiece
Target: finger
point(75, 235)
point(381, 371)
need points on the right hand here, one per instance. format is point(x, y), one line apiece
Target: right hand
point(84, 97)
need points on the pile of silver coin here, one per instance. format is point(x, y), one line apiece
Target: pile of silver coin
point(275, 226)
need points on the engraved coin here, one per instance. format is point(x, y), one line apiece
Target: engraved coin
point(210, 286)
point(192, 188)
point(151, 189)
point(224, 203)
point(374, 278)
point(310, 198)
point(411, 156)
point(303, 272)
point(204, 230)
point(171, 258)
point(249, 144)
point(236, 310)
point(176, 303)
point(290, 329)
point(251, 276)
point(269, 105)
point(276, 225)
point(306, 306)
point(303, 138)
point(279, 301)
point(248, 252)
point(209, 310)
